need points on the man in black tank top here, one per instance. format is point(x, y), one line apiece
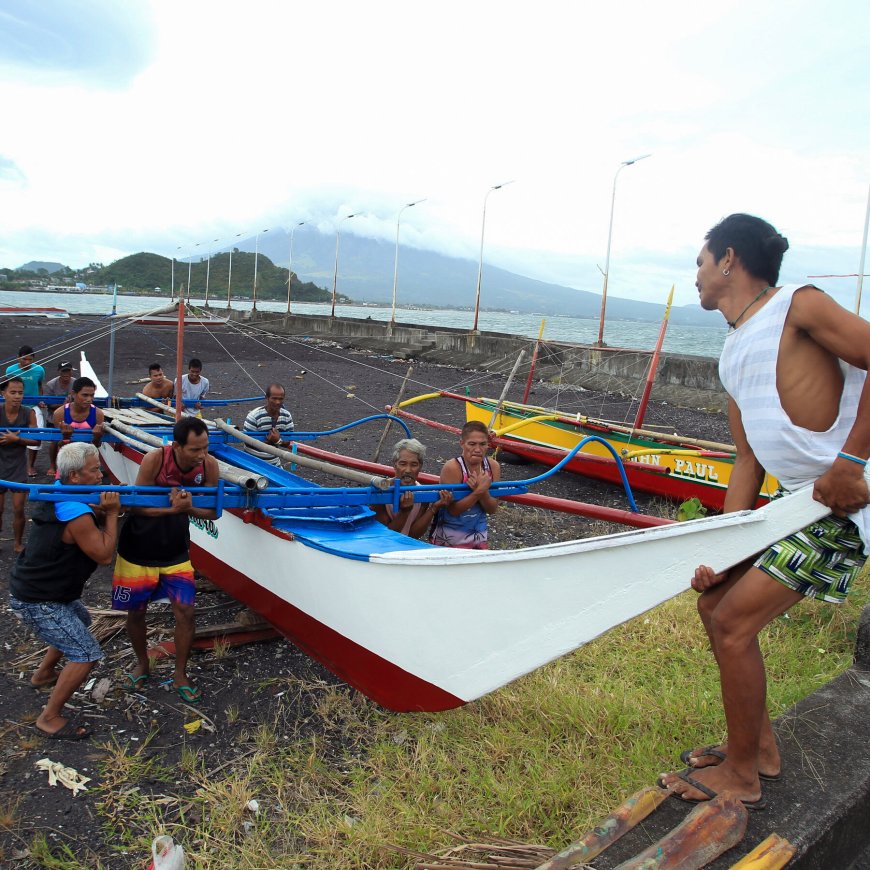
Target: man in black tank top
point(46, 583)
point(153, 561)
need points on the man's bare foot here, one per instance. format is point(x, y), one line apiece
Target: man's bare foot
point(769, 761)
point(715, 780)
point(18, 548)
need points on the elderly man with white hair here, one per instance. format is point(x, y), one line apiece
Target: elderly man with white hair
point(413, 518)
point(65, 545)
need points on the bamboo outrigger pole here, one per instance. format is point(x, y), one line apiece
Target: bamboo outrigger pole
point(504, 392)
point(863, 255)
point(179, 354)
point(534, 360)
point(654, 363)
point(395, 405)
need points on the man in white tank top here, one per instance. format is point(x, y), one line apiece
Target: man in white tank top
point(794, 365)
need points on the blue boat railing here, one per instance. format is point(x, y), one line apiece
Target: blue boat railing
point(294, 496)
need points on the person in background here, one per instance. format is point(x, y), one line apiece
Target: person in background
point(194, 387)
point(154, 550)
point(13, 453)
point(65, 545)
point(159, 386)
point(57, 392)
point(33, 377)
point(272, 418)
point(463, 523)
point(795, 367)
point(413, 518)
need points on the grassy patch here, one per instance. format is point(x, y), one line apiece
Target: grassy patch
point(538, 761)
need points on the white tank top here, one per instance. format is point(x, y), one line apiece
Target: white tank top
point(747, 369)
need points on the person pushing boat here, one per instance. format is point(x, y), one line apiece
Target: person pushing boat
point(79, 414)
point(13, 453)
point(463, 523)
point(33, 376)
point(153, 561)
point(413, 518)
point(68, 541)
point(159, 386)
point(794, 365)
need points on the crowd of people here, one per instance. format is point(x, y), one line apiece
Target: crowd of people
point(794, 366)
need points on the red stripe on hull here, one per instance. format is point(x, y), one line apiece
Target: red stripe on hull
point(381, 680)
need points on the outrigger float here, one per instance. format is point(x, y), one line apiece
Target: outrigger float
point(413, 626)
point(674, 466)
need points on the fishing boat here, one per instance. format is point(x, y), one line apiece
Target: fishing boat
point(418, 627)
point(675, 466)
point(411, 625)
point(32, 311)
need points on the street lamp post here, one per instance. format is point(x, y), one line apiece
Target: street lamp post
point(396, 264)
point(480, 265)
point(609, 237)
point(172, 290)
point(290, 265)
point(256, 260)
point(230, 273)
point(189, 268)
point(335, 272)
point(208, 271)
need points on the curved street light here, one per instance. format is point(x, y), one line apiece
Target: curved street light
point(256, 260)
point(609, 236)
point(230, 273)
point(290, 264)
point(396, 264)
point(480, 265)
point(337, 242)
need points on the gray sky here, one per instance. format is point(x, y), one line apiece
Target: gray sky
point(131, 126)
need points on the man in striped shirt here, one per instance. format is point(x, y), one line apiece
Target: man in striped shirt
point(272, 418)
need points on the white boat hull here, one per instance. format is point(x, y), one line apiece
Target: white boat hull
point(429, 629)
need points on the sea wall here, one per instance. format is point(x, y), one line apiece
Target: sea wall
point(681, 379)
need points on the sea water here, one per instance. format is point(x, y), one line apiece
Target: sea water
point(695, 340)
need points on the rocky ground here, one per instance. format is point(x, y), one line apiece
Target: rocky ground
point(327, 386)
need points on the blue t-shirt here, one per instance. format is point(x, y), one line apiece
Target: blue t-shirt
point(33, 377)
point(70, 510)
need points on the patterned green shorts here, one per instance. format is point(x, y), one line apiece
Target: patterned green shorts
point(819, 561)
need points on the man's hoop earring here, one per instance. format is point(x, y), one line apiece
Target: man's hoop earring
point(726, 272)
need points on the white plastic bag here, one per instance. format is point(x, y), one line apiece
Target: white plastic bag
point(166, 854)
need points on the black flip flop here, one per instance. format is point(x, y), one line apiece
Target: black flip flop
point(70, 731)
point(760, 804)
point(687, 755)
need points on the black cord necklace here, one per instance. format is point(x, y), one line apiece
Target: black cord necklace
point(732, 324)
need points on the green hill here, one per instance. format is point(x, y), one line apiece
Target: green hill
point(147, 272)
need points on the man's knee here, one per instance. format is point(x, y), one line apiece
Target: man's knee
point(184, 613)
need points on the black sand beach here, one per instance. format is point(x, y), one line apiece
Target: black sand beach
point(327, 386)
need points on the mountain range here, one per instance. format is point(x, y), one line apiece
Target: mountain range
point(365, 273)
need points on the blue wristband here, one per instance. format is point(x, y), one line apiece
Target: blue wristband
point(851, 458)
